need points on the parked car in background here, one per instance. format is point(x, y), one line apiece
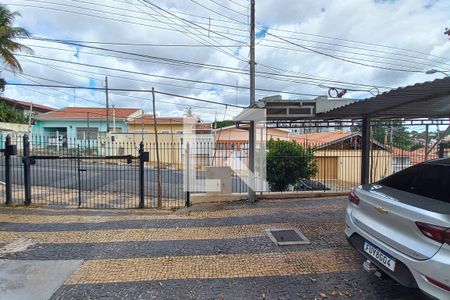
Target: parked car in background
point(401, 224)
point(310, 185)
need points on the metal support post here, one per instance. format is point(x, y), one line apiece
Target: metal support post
point(441, 148)
point(141, 175)
point(8, 190)
point(426, 141)
point(251, 133)
point(107, 104)
point(26, 169)
point(188, 171)
point(365, 148)
point(79, 175)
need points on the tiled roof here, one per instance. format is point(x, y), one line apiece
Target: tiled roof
point(418, 156)
point(85, 112)
point(320, 138)
point(400, 152)
point(148, 119)
point(26, 105)
point(202, 126)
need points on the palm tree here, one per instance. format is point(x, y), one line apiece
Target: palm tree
point(8, 34)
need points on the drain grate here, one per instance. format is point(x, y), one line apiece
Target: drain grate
point(287, 236)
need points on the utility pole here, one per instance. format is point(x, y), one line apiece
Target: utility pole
point(107, 103)
point(158, 165)
point(251, 132)
point(29, 118)
point(114, 118)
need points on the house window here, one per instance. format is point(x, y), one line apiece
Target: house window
point(165, 131)
point(87, 133)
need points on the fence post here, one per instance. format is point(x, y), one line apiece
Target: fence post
point(188, 193)
point(441, 148)
point(141, 175)
point(8, 192)
point(26, 169)
point(79, 175)
point(365, 151)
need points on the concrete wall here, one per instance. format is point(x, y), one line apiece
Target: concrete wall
point(149, 128)
point(13, 127)
point(171, 147)
point(239, 135)
point(349, 164)
point(47, 127)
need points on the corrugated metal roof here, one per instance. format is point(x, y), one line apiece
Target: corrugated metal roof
point(430, 99)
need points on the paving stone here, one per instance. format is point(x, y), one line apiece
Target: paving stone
point(204, 252)
point(348, 285)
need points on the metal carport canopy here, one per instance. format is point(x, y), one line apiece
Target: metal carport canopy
point(423, 100)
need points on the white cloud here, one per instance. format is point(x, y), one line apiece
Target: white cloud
point(415, 25)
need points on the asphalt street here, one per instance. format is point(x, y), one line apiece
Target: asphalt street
point(95, 176)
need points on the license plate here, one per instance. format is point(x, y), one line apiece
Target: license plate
point(384, 258)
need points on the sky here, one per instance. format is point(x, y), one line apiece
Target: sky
point(303, 49)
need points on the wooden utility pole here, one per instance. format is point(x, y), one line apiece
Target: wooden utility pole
point(107, 104)
point(158, 166)
point(251, 132)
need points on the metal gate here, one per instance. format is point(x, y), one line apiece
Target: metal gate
point(84, 176)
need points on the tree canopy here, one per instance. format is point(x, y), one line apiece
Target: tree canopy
point(221, 124)
point(395, 135)
point(8, 34)
point(287, 163)
point(10, 114)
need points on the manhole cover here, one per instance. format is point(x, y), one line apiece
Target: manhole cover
point(287, 236)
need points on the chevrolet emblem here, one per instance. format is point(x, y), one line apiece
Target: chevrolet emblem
point(381, 210)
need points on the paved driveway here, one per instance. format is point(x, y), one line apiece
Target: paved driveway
point(213, 252)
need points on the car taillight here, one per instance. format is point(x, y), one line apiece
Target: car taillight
point(434, 232)
point(353, 198)
point(437, 283)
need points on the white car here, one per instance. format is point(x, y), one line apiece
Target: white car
point(401, 225)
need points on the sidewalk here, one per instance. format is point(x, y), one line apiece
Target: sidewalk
point(209, 251)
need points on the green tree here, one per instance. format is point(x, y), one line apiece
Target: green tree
point(395, 135)
point(10, 115)
point(8, 34)
point(287, 162)
point(224, 123)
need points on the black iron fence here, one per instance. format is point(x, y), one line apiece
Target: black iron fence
point(125, 174)
point(89, 174)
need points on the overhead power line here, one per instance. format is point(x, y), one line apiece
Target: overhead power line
point(122, 90)
point(100, 103)
point(164, 77)
point(335, 48)
point(189, 22)
point(311, 80)
point(84, 72)
point(121, 20)
point(228, 8)
point(239, 4)
point(215, 12)
point(343, 59)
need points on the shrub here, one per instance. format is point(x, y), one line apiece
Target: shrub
point(287, 163)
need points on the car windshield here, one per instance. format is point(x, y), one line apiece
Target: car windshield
point(429, 180)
